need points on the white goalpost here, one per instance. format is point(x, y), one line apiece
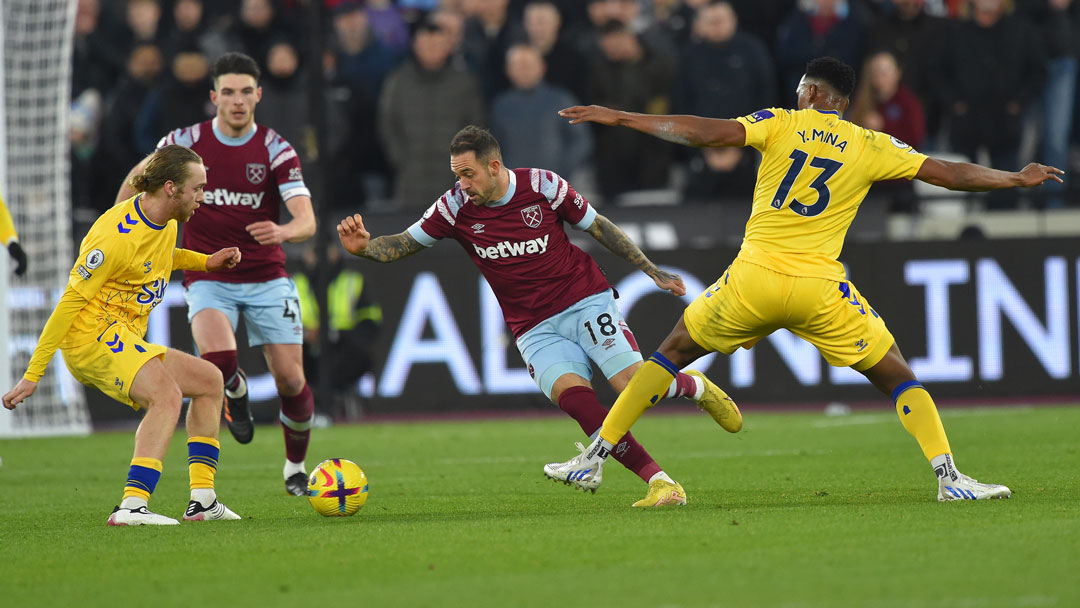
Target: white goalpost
point(36, 42)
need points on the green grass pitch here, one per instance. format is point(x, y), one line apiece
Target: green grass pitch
point(797, 510)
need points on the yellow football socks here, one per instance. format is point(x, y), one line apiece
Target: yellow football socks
point(648, 386)
point(920, 417)
point(202, 461)
point(142, 478)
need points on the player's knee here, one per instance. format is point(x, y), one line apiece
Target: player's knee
point(167, 397)
point(210, 379)
point(290, 383)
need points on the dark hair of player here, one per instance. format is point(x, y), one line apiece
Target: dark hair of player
point(170, 163)
point(235, 63)
point(476, 140)
point(837, 74)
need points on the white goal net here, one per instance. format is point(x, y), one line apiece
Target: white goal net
point(36, 42)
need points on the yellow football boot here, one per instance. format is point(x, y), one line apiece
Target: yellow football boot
point(717, 403)
point(663, 493)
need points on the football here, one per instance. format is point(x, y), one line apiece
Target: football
point(337, 488)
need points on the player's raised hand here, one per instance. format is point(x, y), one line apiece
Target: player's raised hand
point(223, 259)
point(22, 390)
point(600, 114)
point(354, 238)
point(670, 282)
point(1035, 174)
point(267, 233)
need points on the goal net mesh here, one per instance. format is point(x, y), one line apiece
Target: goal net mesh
point(35, 184)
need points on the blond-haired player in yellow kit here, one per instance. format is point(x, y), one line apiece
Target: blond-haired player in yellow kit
point(815, 170)
point(120, 275)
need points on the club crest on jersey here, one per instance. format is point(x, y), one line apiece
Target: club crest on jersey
point(533, 216)
point(256, 173)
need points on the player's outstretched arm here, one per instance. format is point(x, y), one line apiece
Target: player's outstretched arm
point(683, 129)
point(357, 241)
point(22, 390)
point(615, 240)
point(969, 177)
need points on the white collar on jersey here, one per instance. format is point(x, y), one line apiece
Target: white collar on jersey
point(510, 190)
point(234, 141)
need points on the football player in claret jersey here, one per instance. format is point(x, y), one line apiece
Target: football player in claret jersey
point(251, 172)
point(120, 275)
point(815, 170)
point(553, 295)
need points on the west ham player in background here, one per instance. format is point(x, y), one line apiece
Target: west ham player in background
point(251, 171)
point(553, 295)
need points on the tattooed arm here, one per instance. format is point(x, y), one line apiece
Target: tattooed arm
point(357, 241)
point(615, 240)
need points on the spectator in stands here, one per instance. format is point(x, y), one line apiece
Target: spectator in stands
point(117, 151)
point(543, 30)
point(284, 103)
point(178, 101)
point(720, 175)
point(991, 70)
point(821, 28)
point(1058, 25)
point(361, 59)
point(525, 118)
point(191, 30)
point(98, 61)
point(258, 28)
point(649, 32)
point(452, 23)
point(724, 72)
point(676, 18)
point(489, 32)
point(353, 326)
point(759, 17)
point(629, 76)
point(387, 23)
point(883, 103)
point(423, 103)
point(916, 39)
point(142, 21)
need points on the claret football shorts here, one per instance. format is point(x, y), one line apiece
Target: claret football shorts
point(749, 302)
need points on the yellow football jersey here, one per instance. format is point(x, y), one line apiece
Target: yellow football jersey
point(816, 168)
point(123, 269)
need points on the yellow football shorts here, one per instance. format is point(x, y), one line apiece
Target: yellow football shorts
point(750, 302)
point(111, 362)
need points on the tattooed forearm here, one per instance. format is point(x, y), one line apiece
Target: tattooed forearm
point(611, 236)
point(391, 248)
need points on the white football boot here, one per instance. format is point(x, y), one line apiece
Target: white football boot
point(966, 488)
point(585, 470)
point(140, 516)
point(216, 510)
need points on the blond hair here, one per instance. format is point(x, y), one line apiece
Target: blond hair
point(170, 163)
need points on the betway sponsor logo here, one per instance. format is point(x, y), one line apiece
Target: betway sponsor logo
point(223, 197)
point(506, 249)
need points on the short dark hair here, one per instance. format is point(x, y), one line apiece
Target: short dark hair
point(837, 74)
point(235, 63)
point(477, 140)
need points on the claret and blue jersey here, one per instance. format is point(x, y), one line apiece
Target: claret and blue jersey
point(519, 244)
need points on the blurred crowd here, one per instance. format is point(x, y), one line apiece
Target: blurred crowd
point(985, 80)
